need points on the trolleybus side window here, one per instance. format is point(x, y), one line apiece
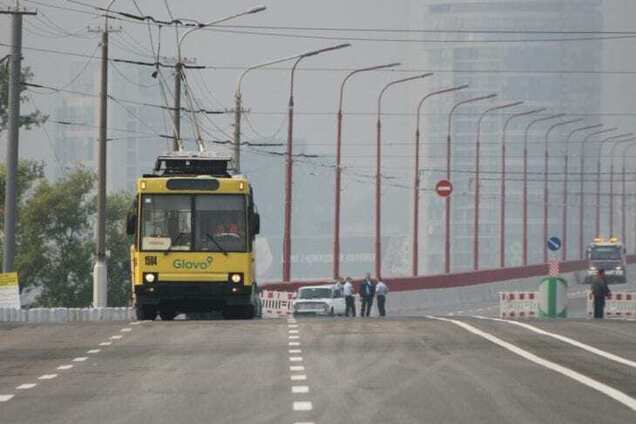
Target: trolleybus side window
point(166, 222)
point(220, 223)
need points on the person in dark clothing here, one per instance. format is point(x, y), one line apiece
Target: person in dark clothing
point(600, 291)
point(367, 292)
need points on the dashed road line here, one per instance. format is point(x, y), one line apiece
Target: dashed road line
point(47, 377)
point(295, 351)
point(116, 337)
point(92, 351)
point(293, 337)
point(126, 330)
point(65, 367)
point(298, 377)
point(609, 391)
point(569, 341)
point(292, 325)
point(296, 368)
point(293, 331)
point(300, 389)
point(26, 386)
point(303, 406)
point(296, 358)
point(294, 343)
point(80, 359)
point(6, 398)
point(106, 343)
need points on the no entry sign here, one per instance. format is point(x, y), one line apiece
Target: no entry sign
point(444, 188)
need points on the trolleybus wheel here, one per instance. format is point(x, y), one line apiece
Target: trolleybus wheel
point(167, 315)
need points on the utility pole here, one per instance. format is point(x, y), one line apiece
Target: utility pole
point(100, 269)
point(15, 72)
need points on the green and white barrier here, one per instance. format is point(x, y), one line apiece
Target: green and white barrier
point(553, 298)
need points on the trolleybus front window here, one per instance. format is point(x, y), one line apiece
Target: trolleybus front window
point(605, 253)
point(166, 222)
point(220, 223)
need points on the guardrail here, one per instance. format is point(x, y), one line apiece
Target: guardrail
point(458, 279)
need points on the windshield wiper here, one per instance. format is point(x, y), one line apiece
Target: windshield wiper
point(176, 240)
point(211, 237)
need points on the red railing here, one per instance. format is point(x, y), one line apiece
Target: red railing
point(458, 279)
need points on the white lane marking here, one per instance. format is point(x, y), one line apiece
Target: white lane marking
point(65, 367)
point(292, 325)
point(611, 392)
point(80, 359)
point(294, 337)
point(135, 323)
point(116, 337)
point(300, 389)
point(94, 351)
point(296, 358)
point(106, 343)
point(295, 351)
point(6, 398)
point(293, 331)
point(298, 377)
point(47, 377)
point(304, 422)
point(303, 406)
point(294, 343)
point(126, 330)
point(568, 340)
point(26, 386)
point(297, 368)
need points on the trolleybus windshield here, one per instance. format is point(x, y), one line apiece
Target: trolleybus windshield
point(203, 223)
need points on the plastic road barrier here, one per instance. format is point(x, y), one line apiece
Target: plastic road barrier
point(277, 304)
point(553, 298)
point(518, 304)
point(617, 305)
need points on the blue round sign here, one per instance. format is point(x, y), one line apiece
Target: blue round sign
point(554, 243)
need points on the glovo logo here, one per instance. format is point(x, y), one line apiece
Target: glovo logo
point(196, 265)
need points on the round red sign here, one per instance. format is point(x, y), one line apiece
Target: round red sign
point(444, 188)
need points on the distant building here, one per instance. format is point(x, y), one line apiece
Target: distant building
point(512, 78)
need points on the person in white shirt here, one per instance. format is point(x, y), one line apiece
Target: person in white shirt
point(381, 290)
point(348, 294)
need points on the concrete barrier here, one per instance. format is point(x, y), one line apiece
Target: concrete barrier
point(60, 315)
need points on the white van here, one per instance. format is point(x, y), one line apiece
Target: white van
point(319, 300)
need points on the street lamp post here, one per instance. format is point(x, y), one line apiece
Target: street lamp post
point(336, 236)
point(238, 107)
point(564, 217)
point(416, 182)
point(176, 143)
point(447, 236)
point(289, 161)
point(525, 181)
point(611, 183)
point(378, 167)
point(477, 180)
point(502, 197)
point(598, 176)
point(546, 200)
point(624, 196)
point(582, 185)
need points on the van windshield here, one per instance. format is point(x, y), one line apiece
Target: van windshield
point(315, 293)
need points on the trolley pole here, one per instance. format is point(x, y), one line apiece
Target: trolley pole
point(177, 106)
point(15, 70)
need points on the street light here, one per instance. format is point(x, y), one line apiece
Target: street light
point(598, 176)
point(582, 185)
point(176, 144)
point(378, 200)
point(289, 161)
point(477, 180)
point(624, 196)
point(564, 217)
point(416, 183)
point(611, 182)
point(238, 108)
point(545, 181)
point(336, 235)
point(525, 180)
point(447, 261)
point(502, 197)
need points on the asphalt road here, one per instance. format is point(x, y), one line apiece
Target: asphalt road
point(406, 370)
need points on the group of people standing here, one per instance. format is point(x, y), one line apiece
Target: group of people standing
point(368, 291)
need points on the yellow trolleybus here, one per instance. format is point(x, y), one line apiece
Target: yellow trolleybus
point(194, 226)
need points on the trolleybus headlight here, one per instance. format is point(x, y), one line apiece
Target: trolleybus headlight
point(150, 277)
point(236, 278)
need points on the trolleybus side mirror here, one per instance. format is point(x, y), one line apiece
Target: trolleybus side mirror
point(256, 223)
point(131, 224)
